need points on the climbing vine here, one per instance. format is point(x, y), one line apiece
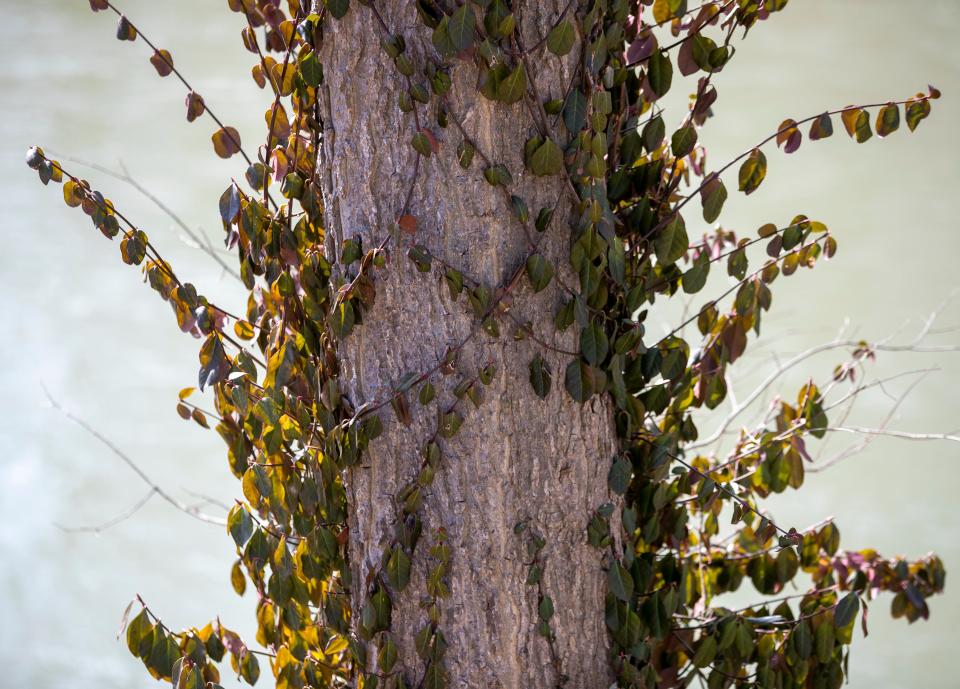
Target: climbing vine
point(292, 435)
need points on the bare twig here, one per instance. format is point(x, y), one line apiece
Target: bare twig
point(155, 489)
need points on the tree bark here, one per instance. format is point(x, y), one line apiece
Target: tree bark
point(516, 458)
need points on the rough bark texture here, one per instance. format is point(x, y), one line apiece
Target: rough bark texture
point(516, 458)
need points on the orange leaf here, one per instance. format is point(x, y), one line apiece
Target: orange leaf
point(226, 142)
point(408, 224)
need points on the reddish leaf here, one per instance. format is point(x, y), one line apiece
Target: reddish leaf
point(789, 136)
point(434, 146)
point(126, 30)
point(195, 106)
point(162, 62)
point(408, 224)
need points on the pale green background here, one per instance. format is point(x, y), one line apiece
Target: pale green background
point(81, 322)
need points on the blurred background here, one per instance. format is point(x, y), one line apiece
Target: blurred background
point(82, 324)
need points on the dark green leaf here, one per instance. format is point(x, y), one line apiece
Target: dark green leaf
point(462, 27)
point(540, 272)
point(540, 376)
point(547, 159)
point(683, 141)
point(659, 73)
point(513, 86)
point(672, 242)
point(620, 582)
point(847, 609)
point(752, 172)
point(560, 39)
point(398, 569)
point(240, 525)
point(594, 344)
point(713, 195)
point(575, 111)
point(888, 119)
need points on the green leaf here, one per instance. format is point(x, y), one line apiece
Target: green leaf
point(249, 666)
point(450, 424)
point(575, 111)
point(421, 257)
point(338, 8)
point(846, 610)
point(540, 272)
point(857, 123)
point(520, 208)
point(752, 172)
point(916, 111)
point(696, 276)
point(540, 376)
point(387, 654)
point(547, 159)
point(620, 582)
point(888, 119)
point(617, 260)
point(672, 242)
point(465, 153)
point(823, 640)
point(619, 477)
point(803, 640)
point(398, 569)
point(706, 651)
point(240, 525)
point(427, 393)
point(560, 39)
point(713, 195)
point(138, 628)
point(462, 27)
point(312, 70)
point(578, 380)
point(513, 86)
point(545, 609)
point(441, 38)
point(421, 144)
point(659, 73)
point(498, 175)
point(653, 133)
point(683, 141)
point(594, 344)
point(434, 677)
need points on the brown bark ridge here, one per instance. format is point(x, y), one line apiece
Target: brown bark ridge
point(516, 458)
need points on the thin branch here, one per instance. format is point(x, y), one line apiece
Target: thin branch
point(110, 523)
point(837, 343)
point(154, 487)
point(124, 176)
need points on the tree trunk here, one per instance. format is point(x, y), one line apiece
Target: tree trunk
point(516, 458)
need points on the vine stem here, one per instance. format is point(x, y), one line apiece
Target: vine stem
point(158, 260)
point(183, 80)
point(683, 202)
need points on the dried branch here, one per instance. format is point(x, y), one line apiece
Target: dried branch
point(155, 489)
point(839, 342)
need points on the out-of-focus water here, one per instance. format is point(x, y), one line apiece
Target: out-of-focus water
point(81, 323)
